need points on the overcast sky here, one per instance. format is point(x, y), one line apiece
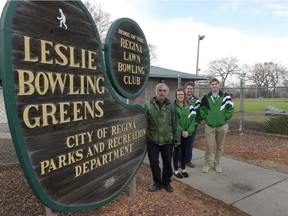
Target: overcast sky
point(252, 30)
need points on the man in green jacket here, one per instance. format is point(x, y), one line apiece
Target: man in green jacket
point(194, 103)
point(163, 133)
point(216, 109)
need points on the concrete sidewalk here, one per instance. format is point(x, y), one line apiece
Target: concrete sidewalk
point(252, 189)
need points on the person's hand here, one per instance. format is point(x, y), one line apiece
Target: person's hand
point(176, 144)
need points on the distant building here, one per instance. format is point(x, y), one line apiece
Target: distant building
point(174, 79)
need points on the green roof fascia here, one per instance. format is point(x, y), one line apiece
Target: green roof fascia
point(168, 73)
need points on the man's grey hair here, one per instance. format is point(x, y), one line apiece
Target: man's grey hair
point(160, 85)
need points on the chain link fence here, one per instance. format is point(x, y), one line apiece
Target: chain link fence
point(263, 110)
point(256, 109)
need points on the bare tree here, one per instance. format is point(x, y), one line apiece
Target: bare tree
point(259, 75)
point(285, 82)
point(103, 22)
point(277, 73)
point(224, 67)
point(153, 54)
point(101, 18)
point(268, 74)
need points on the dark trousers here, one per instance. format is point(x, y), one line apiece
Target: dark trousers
point(166, 155)
point(190, 145)
point(189, 151)
point(183, 148)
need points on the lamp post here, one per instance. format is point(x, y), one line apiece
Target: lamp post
point(200, 37)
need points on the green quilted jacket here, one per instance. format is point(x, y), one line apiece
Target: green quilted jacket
point(186, 119)
point(162, 123)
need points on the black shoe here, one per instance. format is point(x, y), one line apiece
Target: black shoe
point(185, 174)
point(178, 175)
point(168, 188)
point(154, 188)
point(190, 164)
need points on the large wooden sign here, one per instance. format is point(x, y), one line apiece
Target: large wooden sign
point(78, 144)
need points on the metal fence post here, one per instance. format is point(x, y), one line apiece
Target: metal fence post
point(241, 104)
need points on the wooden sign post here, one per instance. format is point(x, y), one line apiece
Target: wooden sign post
point(79, 146)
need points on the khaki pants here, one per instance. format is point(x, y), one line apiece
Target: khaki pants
point(214, 136)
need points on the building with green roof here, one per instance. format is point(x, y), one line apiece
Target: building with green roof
point(173, 78)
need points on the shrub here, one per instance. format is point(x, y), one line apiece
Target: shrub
point(276, 125)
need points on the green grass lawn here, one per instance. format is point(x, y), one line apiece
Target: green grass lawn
point(258, 105)
point(252, 117)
